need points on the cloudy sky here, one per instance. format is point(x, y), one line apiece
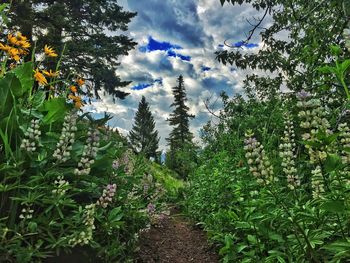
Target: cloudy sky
point(178, 37)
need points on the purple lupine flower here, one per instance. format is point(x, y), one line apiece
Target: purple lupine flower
point(151, 208)
point(303, 94)
point(107, 195)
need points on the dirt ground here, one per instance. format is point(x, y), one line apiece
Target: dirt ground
point(175, 241)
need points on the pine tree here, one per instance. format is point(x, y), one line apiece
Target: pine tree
point(181, 152)
point(87, 29)
point(143, 136)
point(180, 117)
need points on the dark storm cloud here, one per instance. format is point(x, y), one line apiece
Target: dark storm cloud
point(217, 85)
point(176, 19)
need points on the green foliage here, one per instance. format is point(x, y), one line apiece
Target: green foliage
point(181, 156)
point(261, 221)
point(311, 26)
point(168, 179)
point(68, 185)
point(89, 49)
point(143, 136)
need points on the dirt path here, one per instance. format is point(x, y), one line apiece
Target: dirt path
point(175, 241)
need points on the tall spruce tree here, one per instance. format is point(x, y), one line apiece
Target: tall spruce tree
point(87, 28)
point(181, 149)
point(143, 136)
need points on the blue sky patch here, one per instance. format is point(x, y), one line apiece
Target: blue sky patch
point(154, 45)
point(243, 44)
point(205, 68)
point(142, 86)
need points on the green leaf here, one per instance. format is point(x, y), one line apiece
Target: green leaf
point(336, 50)
point(327, 69)
point(8, 83)
point(332, 163)
point(24, 73)
point(115, 214)
point(56, 109)
point(38, 99)
point(345, 65)
point(252, 239)
point(334, 206)
point(2, 7)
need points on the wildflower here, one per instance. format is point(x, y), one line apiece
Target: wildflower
point(147, 181)
point(39, 77)
point(344, 135)
point(346, 35)
point(257, 159)
point(312, 115)
point(23, 44)
point(64, 146)
point(107, 195)
point(80, 82)
point(31, 136)
point(73, 89)
point(14, 54)
point(85, 236)
point(12, 39)
point(26, 213)
point(115, 164)
point(5, 48)
point(302, 95)
point(151, 208)
point(49, 51)
point(89, 153)
point(51, 74)
point(60, 186)
point(20, 37)
point(317, 182)
point(76, 100)
point(287, 148)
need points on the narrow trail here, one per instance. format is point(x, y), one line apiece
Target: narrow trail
point(175, 241)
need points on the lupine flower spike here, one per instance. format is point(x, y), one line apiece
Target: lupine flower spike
point(259, 164)
point(287, 153)
point(32, 135)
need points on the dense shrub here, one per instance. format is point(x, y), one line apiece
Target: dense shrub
point(66, 180)
point(274, 181)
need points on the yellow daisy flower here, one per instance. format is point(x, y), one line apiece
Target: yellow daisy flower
point(12, 39)
point(4, 47)
point(14, 53)
point(39, 77)
point(49, 51)
point(80, 82)
point(73, 89)
point(50, 73)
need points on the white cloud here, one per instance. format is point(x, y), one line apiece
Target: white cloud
point(199, 27)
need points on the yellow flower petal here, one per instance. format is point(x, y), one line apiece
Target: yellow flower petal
point(39, 77)
point(49, 51)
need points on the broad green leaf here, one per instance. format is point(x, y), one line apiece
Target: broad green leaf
point(24, 73)
point(327, 69)
point(115, 214)
point(8, 83)
point(345, 65)
point(56, 110)
point(38, 99)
